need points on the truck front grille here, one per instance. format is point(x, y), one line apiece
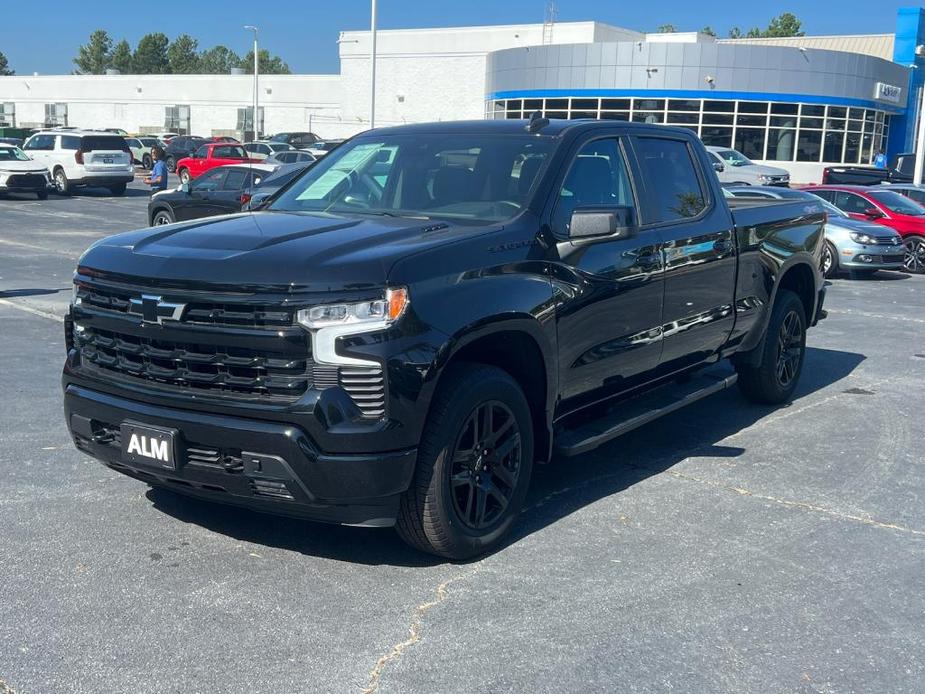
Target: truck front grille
point(195, 367)
point(27, 181)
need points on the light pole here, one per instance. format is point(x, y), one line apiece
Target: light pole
point(372, 60)
point(254, 118)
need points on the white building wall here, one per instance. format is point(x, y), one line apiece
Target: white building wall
point(138, 102)
point(439, 74)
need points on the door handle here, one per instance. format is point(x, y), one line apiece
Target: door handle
point(649, 260)
point(722, 246)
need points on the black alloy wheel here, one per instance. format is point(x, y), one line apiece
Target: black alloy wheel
point(915, 255)
point(162, 217)
point(829, 261)
point(789, 349)
point(486, 464)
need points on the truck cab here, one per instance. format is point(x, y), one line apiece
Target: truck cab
point(399, 334)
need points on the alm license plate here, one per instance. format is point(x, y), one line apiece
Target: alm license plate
point(107, 160)
point(147, 445)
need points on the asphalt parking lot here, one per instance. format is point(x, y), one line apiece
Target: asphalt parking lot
point(726, 548)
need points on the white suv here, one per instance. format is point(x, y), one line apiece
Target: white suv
point(83, 158)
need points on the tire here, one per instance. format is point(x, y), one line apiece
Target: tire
point(915, 255)
point(118, 189)
point(42, 195)
point(829, 261)
point(184, 175)
point(62, 185)
point(454, 481)
point(146, 162)
point(162, 216)
point(764, 382)
point(171, 163)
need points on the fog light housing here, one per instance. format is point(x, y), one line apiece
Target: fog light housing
point(865, 259)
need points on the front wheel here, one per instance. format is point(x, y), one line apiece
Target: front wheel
point(829, 261)
point(184, 176)
point(161, 217)
point(915, 255)
point(473, 467)
point(774, 378)
point(62, 185)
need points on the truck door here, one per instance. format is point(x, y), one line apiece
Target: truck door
point(610, 313)
point(698, 247)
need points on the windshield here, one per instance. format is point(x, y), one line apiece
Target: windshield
point(12, 154)
point(733, 158)
point(474, 176)
point(897, 203)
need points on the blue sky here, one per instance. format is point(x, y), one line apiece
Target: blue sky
point(43, 37)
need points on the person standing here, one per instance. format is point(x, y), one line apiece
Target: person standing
point(158, 178)
point(880, 160)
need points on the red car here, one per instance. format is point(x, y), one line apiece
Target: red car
point(883, 206)
point(210, 155)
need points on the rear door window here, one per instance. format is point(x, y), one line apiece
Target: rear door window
point(211, 180)
point(229, 152)
point(675, 188)
point(235, 179)
point(69, 142)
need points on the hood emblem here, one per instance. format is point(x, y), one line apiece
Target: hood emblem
point(153, 309)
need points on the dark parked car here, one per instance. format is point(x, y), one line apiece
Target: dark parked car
point(902, 171)
point(297, 140)
point(256, 195)
point(430, 311)
point(291, 156)
point(15, 141)
point(218, 191)
point(180, 147)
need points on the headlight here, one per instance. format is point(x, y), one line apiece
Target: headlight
point(864, 239)
point(384, 311)
point(762, 177)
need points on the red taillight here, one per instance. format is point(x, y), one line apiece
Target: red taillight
point(79, 156)
point(245, 198)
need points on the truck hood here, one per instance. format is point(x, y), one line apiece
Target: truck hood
point(285, 250)
point(22, 167)
point(760, 170)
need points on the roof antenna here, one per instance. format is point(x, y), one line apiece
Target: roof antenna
point(537, 122)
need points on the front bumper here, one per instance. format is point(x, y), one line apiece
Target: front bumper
point(873, 257)
point(267, 466)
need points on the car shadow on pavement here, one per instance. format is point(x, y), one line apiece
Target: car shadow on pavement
point(13, 293)
point(105, 193)
point(557, 490)
point(882, 276)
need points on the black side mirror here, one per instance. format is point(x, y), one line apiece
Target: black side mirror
point(616, 222)
point(718, 166)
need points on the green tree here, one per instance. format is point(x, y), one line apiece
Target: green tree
point(121, 58)
point(735, 33)
point(218, 60)
point(5, 67)
point(708, 30)
point(268, 65)
point(785, 25)
point(93, 57)
point(666, 29)
point(151, 55)
point(182, 55)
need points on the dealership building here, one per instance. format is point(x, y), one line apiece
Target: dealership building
point(800, 103)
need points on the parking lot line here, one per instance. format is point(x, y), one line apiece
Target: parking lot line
point(33, 311)
point(34, 247)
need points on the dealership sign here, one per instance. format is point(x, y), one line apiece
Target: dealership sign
point(887, 92)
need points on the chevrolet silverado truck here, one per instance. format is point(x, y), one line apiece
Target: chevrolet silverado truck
point(399, 334)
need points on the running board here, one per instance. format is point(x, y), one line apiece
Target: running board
point(641, 410)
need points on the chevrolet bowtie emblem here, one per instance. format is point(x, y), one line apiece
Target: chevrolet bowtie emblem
point(153, 309)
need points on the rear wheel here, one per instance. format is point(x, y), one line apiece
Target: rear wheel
point(171, 163)
point(474, 465)
point(829, 261)
point(775, 377)
point(915, 254)
point(62, 185)
point(161, 217)
point(118, 189)
point(146, 161)
point(184, 176)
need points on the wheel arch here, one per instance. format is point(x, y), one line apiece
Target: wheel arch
point(160, 207)
point(518, 347)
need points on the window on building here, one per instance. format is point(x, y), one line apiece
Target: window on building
point(681, 194)
point(809, 145)
point(785, 109)
point(684, 105)
point(716, 137)
point(753, 107)
point(684, 118)
point(8, 114)
point(781, 144)
point(718, 118)
point(750, 142)
point(615, 104)
point(55, 115)
point(177, 119)
point(832, 146)
point(649, 104)
point(648, 117)
point(245, 121)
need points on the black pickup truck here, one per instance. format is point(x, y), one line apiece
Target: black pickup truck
point(902, 171)
point(404, 330)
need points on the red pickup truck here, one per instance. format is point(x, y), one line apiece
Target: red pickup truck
point(209, 156)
